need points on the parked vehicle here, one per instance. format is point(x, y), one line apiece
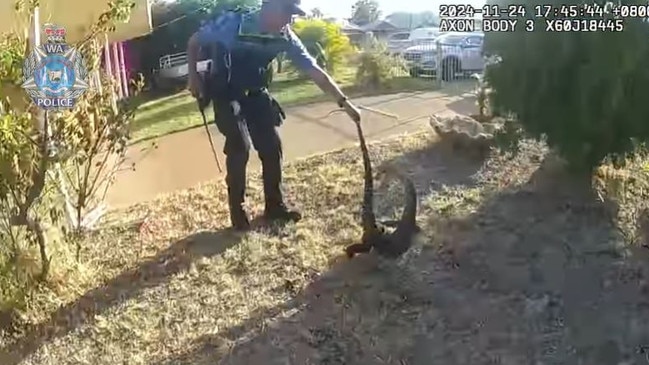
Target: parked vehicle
point(173, 70)
point(423, 35)
point(461, 53)
point(398, 42)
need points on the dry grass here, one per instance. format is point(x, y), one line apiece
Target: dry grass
point(178, 246)
point(505, 272)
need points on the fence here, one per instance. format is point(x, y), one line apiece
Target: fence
point(456, 62)
point(433, 62)
point(451, 60)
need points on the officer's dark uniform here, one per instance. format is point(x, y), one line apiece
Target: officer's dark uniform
point(244, 110)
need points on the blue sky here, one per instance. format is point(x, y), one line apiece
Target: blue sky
point(342, 8)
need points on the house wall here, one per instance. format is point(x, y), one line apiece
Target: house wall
point(76, 16)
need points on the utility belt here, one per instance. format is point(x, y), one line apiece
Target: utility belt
point(252, 98)
point(238, 94)
point(216, 87)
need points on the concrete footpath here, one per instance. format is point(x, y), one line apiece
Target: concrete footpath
point(184, 159)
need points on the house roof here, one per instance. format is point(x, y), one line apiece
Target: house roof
point(379, 25)
point(348, 26)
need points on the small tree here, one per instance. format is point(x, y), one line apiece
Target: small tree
point(25, 157)
point(97, 130)
point(96, 133)
point(584, 92)
point(316, 13)
point(376, 66)
point(365, 12)
point(324, 40)
point(30, 203)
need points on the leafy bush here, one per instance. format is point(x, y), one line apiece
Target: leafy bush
point(82, 147)
point(24, 160)
point(12, 53)
point(23, 189)
point(376, 66)
point(582, 91)
point(325, 41)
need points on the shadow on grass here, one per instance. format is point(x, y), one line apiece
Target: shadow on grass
point(431, 168)
point(250, 344)
point(163, 119)
point(530, 275)
point(149, 100)
point(394, 86)
point(438, 164)
point(156, 271)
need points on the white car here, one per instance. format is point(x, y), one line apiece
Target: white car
point(460, 53)
point(398, 42)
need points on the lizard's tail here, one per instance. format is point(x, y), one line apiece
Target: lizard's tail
point(368, 217)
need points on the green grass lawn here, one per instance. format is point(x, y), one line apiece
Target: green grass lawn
point(177, 112)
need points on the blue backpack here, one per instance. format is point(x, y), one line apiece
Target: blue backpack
point(246, 64)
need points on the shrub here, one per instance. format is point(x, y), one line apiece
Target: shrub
point(12, 54)
point(23, 207)
point(35, 161)
point(582, 91)
point(325, 41)
point(24, 161)
point(376, 66)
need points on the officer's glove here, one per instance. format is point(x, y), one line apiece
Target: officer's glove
point(235, 107)
point(351, 109)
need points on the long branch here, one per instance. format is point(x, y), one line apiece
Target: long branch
point(79, 187)
point(101, 166)
point(93, 152)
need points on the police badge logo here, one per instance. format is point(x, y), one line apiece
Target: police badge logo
point(55, 74)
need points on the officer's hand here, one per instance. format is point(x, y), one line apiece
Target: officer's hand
point(352, 110)
point(194, 85)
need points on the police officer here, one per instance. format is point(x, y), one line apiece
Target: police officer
point(242, 46)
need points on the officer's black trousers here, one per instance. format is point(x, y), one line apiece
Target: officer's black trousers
point(257, 122)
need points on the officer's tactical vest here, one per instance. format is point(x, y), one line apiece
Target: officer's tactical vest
point(245, 65)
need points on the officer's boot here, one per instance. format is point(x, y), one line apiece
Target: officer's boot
point(276, 210)
point(236, 181)
point(238, 216)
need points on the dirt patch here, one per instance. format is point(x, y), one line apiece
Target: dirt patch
point(517, 265)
